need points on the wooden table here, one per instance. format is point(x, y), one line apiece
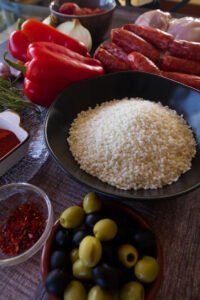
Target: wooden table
point(175, 221)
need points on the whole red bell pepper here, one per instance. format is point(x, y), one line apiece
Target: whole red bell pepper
point(51, 67)
point(33, 31)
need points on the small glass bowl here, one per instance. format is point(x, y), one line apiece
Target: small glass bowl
point(11, 197)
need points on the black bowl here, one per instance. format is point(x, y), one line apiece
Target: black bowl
point(80, 96)
point(97, 24)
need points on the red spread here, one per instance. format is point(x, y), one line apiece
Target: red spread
point(8, 141)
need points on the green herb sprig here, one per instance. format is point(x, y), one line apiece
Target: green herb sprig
point(12, 98)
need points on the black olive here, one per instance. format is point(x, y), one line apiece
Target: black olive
point(109, 254)
point(106, 276)
point(93, 218)
point(63, 238)
point(58, 260)
point(79, 235)
point(145, 242)
point(123, 236)
point(123, 221)
point(56, 282)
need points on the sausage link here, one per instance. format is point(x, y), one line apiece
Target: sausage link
point(191, 80)
point(185, 49)
point(110, 62)
point(129, 42)
point(116, 51)
point(156, 37)
point(139, 62)
point(182, 65)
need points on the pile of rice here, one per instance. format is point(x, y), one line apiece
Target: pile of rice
point(132, 143)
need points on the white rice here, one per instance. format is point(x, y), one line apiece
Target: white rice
point(132, 143)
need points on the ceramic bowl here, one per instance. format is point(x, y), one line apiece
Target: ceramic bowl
point(98, 24)
point(13, 196)
point(88, 93)
point(10, 120)
point(124, 211)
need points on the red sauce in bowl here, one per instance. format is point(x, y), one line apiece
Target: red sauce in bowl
point(8, 141)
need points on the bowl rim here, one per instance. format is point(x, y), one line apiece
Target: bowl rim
point(37, 246)
point(120, 207)
point(61, 15)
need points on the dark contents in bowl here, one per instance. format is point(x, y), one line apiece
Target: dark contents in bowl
point(117, 255)
point(71, 8)
point(21, 229)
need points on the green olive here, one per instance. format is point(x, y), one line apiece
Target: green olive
point(127, 255)
point(132, 290)
point(81, 271)
point(90, 251)
point(97, 293)
point(75, 290)
point(147, 269)
point(105, 229)
point(74, 255)
point(91, 203)
point(72, 217)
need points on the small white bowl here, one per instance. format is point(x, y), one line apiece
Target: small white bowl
point(10, 120)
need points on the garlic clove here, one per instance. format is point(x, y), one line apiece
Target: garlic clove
point(76, 30)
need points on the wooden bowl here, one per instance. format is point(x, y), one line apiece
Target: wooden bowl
point(122, 209)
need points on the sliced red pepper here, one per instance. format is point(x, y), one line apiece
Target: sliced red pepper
point(35, 31)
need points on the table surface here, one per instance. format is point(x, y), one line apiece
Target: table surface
point(176, 223)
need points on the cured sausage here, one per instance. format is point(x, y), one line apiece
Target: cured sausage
point(185, 49)
point(110, 62)
point(116, 51)
point(182, 65)
point(139, 62)
point(191, 80)
point(129, 42)
point(156, 37)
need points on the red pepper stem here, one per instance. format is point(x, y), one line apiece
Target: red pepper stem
point(13, 64)
point(20, 21)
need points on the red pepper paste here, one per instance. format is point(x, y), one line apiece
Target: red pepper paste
point(21, 229)
point(8, 141)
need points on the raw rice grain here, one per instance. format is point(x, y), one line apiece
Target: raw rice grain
point(132, 143)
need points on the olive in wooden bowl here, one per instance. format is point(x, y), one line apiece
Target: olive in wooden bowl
point(101, 249)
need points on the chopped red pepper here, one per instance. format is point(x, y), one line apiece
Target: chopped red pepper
point(21, 229)
point(35, 31)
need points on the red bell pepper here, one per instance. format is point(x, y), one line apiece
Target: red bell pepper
point(50, 68)
point(18, 45)
point(34, 31)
